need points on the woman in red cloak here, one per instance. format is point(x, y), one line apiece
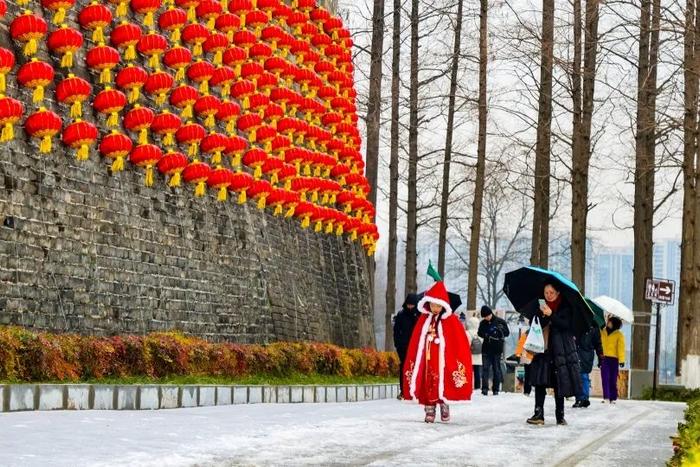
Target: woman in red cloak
point(438, 367)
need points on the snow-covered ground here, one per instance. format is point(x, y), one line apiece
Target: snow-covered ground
point(489, 431)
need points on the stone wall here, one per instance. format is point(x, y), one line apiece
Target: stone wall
point(83, 250)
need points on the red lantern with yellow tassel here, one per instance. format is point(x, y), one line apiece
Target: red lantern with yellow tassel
point(286, 174)
point(80, 136)
point(222, 79)
point(251, 71)
point(324, 68)
point(284, 45)
point(276, 200)
point(103, 59)
point(109, 102)
point(73, 91)
point(183, 97)
point(268, 6)
point(7, 63)
point(327, 94)
point(146, 156)
point(194, 35)
point(258, 103)
point(65, 42)
point(139, 120)
point(241, 8)
point(304, 210)
point(178, 58)
point(165, 125)
point(191, 135)
point(200, 72)
point(273, 113)
point(95, 17)
point(276, 65)
point(256, 20)
point(245, 39)
point(255, 158)
point(271, 167)
point(260, 52)
point(280, 144)
point(206, 109)
point(305, 6)
point(242, 91)
point(221, 179)
point(190, 6)
point(11, 111)
point(35, 75)
point(147, 8)
point(228, 115)
point(289, 74)
point(214, 145)
point(208, 11)
point(319, 15)
point(172, 21)
point(158, 85)
point(44, 125)
point(215, 46)
point(321, 41)
point(235, 148)
point(308, 30)
point(228, 23)
point(265, 135)
point(124, 37)
point(296, 20)
point(339, 172)
point(240, 183)
point(132, 79)
point(173, 164)
point(28, 29)
point(250, 123)
point(59, 8)
point(197, 173)
point(272, 35)
point(282, 13)
point(116, 146)
point(121, 9)
point(259, 191)
point(235, 57)
point(153, 45)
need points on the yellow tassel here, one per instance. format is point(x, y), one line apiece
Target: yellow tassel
point(324, 200)
point(353, 237)
point(197, 50)
point(193, 150)
point(258, 172)
point(211, 23)
point(143, 136)
point(3, 82)
point(210, 121)
point(130, 53)
point(329, 228)
point(242, 197)
point(243, 20)
point(314, 196)
point(98, 35)
point(204, 87)
point(317, 172)
point(8, 133)
point(148, 20)
point(306, 222)
point(278, 210)
point(175, 36)
point(175, 180)
point(229, 36)
point(154, 61)
point(168, 139)
point(318, 227)
point(118, 164)
point(67, 60)
point(253, 136)
point(121, 10)
point(297, 164)
point(113, 120)
point(83, 152)
point(218, 57)
point(149, 175)
point(347, 209)
point(76, 109)
point(38, 94)
point(201, 189)
point(191, 14)
point(262, 201)
point(289, 213)
point(30, 47)
point(333, 199)
point(246, 103)
point(273, 46)
point(303, 196)
point(180, 75)
point(106, 76)
point(327, 172)
point(231, 126)
point(45, 146)
point(224, 5)
point(223, 194)
point(288, 185)
point(300, 139)
point(339, 230)
point(307, 170)
point(160, 99)
point(134, 94)
point(216, 158)
point(187, 112)
point(275, 179)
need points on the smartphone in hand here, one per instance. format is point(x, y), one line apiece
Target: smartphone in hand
point(542, 302)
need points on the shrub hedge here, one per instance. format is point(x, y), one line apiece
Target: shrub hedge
point(29, 356)
point(686, 445)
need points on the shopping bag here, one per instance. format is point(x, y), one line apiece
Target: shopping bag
point(535, 338)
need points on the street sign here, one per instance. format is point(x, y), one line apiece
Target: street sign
point(660, 291)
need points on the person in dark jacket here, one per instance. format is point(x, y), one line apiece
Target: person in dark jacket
point(587, 346)
point(493, 330)
point(404, 322)
point(557, 367)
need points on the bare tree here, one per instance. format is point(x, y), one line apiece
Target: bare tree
point(374, 103)
point(412, 213)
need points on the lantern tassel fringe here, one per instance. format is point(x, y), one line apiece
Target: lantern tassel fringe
point(149, 175)
point(175, 180)
point(223, 194)
point(8, 133)
point(262, 202)
point(242, 197)
point(201, 189)
point(118, 164)
point(76, 109)
point(83, 152)
point(67, 60)
point(45, 145)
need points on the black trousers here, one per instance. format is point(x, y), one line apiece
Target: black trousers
point(477, 376)
point(541, 392)
point(527, 387)
point(491, 368)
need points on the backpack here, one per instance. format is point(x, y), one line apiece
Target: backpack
point(476, 345)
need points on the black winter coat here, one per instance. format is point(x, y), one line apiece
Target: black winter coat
point(558, 367)
point(493, 333)
point(404, 322)
point(588, 346)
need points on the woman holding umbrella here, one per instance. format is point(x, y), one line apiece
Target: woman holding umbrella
point(613, 356)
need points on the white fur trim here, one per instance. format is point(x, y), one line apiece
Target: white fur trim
point(419, 352)
point(426, 299)
point(441, 362)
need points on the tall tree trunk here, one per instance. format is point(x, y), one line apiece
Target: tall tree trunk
point(442, 242)
point(412, 208)
point(393, 175)
point(540, 224)
point(374, 104)
point(576, 133)
point(480, 160)
point(644, 179)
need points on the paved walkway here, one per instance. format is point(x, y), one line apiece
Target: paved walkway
point(490, 431)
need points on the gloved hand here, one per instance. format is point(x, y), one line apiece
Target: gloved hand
point(622, 365)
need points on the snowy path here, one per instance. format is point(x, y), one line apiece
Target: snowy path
point(488, 432)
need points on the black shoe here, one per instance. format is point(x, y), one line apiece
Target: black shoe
point(585, 404)
point(560, 419)
point(495, 393)
point(577, 405)
point(484, 393)
point(537, 418)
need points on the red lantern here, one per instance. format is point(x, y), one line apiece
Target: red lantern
point(109, 102)
point(200, 72)
point(272, 35)
point(116, 146)
point(308, 30)
point(277, 199)
point(245, 39)
point(332, 26)
point(65, 42)
point(240, 8)
point(146, 156)
point(272, 167)
point(190, 6)
point(255, 158)
point(28, 29)
point(194, 35)
point(197, 173)
point(35, 75)
point(122, 8)
point(304, 211)
point(207, 11)
point(58, 7)
point(235, 148)
point(206, 109)
point(7, 63)
point(260, 52)
point(178, 58)
point(132, 78)
point(228, 114)
point(173, 164)
point(280, 144)
point(268, 6)
point(284, 45)
point(256, 20)
point(79, 136)
point(282, 13)
point(258, 103)
point(260, 190)
point(240, 183)
point(165, 125)
point(273, 113)
point(252, 71)
point(73, 91)
point(221, 179)
point(125, 37)
point(250, 124)
point(159, 85)
point(235, 57)
point(228, 23)
point(286, 174)
point(172, 21)
point(11, 111)
point(95, 17)
point(139, 119)
point(191, 135)
point(43, 124)
point(183, 97)
point(242, 91)
point(216, 44)
point(214, 145)
point(104, 59)
point(153, 45)
point(295, 21)
point(306, 6)
point(146, 8)
point(223, 78)
point(320, 15)
point(264, 136)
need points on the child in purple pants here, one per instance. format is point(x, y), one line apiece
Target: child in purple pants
point(613, 357)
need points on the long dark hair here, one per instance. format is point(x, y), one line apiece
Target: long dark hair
point(616, 324)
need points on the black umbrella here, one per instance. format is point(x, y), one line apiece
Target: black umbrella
point(455, 299)
point(525, 286)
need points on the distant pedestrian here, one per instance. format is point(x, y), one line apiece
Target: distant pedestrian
point(524, 358)
point(588, 346)
point(404, 322)
point(476, 346)
point(493, 330)
point(613, 357)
